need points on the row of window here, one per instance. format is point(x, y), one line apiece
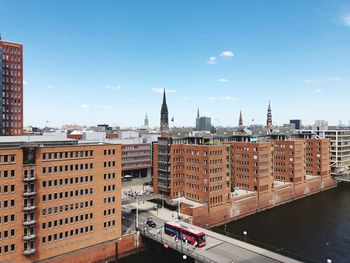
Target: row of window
point(67, 181)
point(4, 189)
point(6, 219)
point(108, 188)
point(67, 155)
point(67, 207)
point(8, 158)
point(7, 233)
point(109, 176)
point(67, 168)
point(108, 212)
point(109, 164)
point(7, 203)
point(109, 152)
point(12, 50)
point(67, 194)
point(109, 200)
point(67, 220)
point(109, 223)
point(7, 248)
point(67, 233)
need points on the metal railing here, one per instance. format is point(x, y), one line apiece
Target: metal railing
point(281, 251)
point(179, 246)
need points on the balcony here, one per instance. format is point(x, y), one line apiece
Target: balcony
point(30, 237)
point(30, 193)
point(28, 223)
point(28, 208)
point(29, 252)
point(29, 179)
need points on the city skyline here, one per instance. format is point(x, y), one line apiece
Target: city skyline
point(92, 64)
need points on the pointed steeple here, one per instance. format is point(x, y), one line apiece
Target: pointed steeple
point(240, 120)
point(269, 117)
point(164, 121)
point(197, 112)
point(146, 121)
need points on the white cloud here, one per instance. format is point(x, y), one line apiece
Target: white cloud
point(211, 98)
point(85, 106)
point(317, 90)
point(50, 86)
point(228, 98)
point(211, 61)
point(118, 87)
point(105, 107)
point(185, 98)
point(346, 20)
point(25, 82)
point(226, 54)
point(310, 81)
point(335, 78)
point(222, 80)
point(160, 90)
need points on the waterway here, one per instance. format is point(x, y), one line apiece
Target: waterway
point(314, 229)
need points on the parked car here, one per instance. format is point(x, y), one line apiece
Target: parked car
point(151, 223)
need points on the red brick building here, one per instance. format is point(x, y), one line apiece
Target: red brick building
point(57, 197)
point(317, 156)
point(251, 166)
point(289, 161)
point(11, 86)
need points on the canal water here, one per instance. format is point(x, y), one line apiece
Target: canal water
point(312, 229)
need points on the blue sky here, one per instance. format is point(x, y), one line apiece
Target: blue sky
point(90, 62)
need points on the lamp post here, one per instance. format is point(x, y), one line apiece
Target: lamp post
point(178, 208)
point(245, 233)
point(137, 215)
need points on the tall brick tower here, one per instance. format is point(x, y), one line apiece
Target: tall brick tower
point(11, 88)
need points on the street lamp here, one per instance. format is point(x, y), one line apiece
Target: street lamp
point(329, 260)
point(245, 233)
point(184, 257)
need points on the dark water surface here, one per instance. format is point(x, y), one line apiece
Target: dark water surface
point(314, 228)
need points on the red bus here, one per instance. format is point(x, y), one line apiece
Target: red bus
point(184, 233)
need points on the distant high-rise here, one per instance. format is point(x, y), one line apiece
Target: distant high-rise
point(11, 88)
point(297, 123)
point(240, 123)
point(164, 120)
point(269, 117)
point(204, 124)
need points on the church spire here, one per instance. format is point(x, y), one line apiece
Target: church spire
point(269, 117)
point(146, 121)
point(240, 120)
point(164, 121)
point(197, 112)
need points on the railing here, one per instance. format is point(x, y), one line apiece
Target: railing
point(28, 208)
point(28, 223)
point(277, 250)
point(178, 246)
point(29, 179)
point(29, 193)
point(29, 252)
point(31, 236)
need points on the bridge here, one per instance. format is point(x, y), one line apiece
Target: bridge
point(219, 248)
